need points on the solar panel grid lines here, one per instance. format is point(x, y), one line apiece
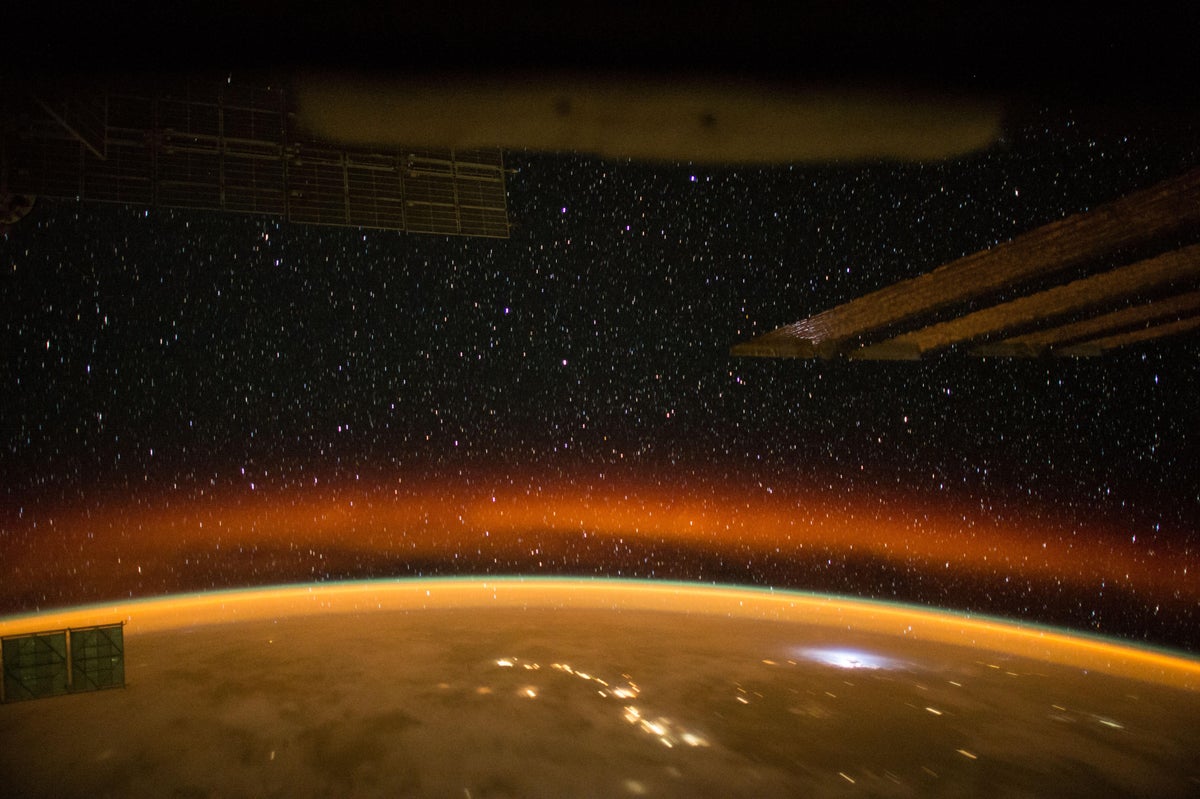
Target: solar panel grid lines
point(220, 146)
point(39, 665)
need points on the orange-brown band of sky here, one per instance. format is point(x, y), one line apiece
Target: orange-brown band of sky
point(229, 538)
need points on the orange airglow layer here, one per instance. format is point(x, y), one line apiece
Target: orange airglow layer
point(840, 614)
point(150, 546)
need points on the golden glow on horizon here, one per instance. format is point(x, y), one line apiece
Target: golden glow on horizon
point(856, 616)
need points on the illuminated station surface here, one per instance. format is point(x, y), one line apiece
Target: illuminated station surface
point(520, 687)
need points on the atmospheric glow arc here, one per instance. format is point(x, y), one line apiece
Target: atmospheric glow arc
point(853, 615)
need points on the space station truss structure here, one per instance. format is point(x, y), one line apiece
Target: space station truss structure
point(224, 146)
point(1121, 274)
point(56, 662)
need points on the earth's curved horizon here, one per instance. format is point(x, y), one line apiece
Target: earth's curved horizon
point(539, 687)
point(942, 626)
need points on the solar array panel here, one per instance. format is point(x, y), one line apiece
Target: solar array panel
point(56, 662)
point(97, 658)
point(1121, 273)
point(235, 148)
point(35, 666)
